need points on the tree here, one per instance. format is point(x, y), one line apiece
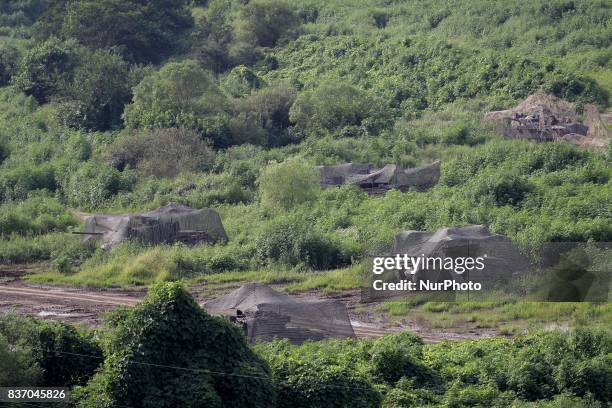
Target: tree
point(180, 94)
point(52, 354)
point(47, 69)
point(287, 184)
point(95, 98)
point(334, 106)
point(17, 366)
point(163, 152)
point(147, 31)
point(168, 352)
point(9, 61)
point(263, 23)
point(263, 117)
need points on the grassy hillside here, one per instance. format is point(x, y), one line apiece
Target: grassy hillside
point(86, 125)
point(122, 106)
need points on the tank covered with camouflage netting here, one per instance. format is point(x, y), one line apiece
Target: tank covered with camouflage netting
point(267, 314)
point(171, 223)
point(376, 181)
point(501, 256)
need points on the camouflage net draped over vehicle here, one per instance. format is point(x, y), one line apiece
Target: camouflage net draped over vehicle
point(171, 223)
point(267, 314)
point(377, 181)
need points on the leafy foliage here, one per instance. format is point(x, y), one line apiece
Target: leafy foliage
point(162, 152)
point(180, 94)
point(490, 372)
point(168, 352)
point(102, 85)
point(264, 22)
point(332, 106)
point(61, 353)
point(47, 68)
point(146, 32)
point(284, 185)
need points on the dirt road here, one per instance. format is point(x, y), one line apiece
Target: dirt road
point(87, 306)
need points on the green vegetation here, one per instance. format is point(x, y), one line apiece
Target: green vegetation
point(167, 351)
point(238, 111)
point(118, 106)
point(45, 354)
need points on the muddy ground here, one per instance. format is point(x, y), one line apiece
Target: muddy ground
point(88, 306)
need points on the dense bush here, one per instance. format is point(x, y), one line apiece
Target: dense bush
point(146, 32)
point(335, 106)
point(162, 152)
point(293, 244)
point(500, 189)
point(264, 22)
point(9, 61)
point(47, 69)
point(39, 214)
point(287, 184)
point(241, 81)
point(262, 118)
point(320, 374)
point(180, 94)
point(397, 356)
point(95, 98)
point(92, 185)
point(167, 351)
point(16, 182)
point(63, 355)
point(17, 365)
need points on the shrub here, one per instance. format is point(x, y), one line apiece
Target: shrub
point(61, 351)
point(38, 214)
point(396, 356)
point(320, 374)
point(287, 184)
point(531, 377)
point(162, 152)
point(22, 249)
point(167, 351)
point(501, 189)
point(241, 81)
point(293, 244)
point(17, 182)
point(181, 94)
point(311, 385)
point(95, 98)
point(266, 113)
point(9, 62)
point(47, 69)
point(92, 185)
point(334, 106)
point(264, 22)
point(17, 365)
point(146, 33)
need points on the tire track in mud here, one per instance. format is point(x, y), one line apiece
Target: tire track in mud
point(82, 306)
point(67, 296)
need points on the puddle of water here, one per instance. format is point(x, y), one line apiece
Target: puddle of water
point(45, 313)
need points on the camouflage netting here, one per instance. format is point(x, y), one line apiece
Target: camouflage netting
point(502, 256)
point(502, 259)
point(171, 223)
point(547, 118)
point(267, 314)
point(374, 180)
